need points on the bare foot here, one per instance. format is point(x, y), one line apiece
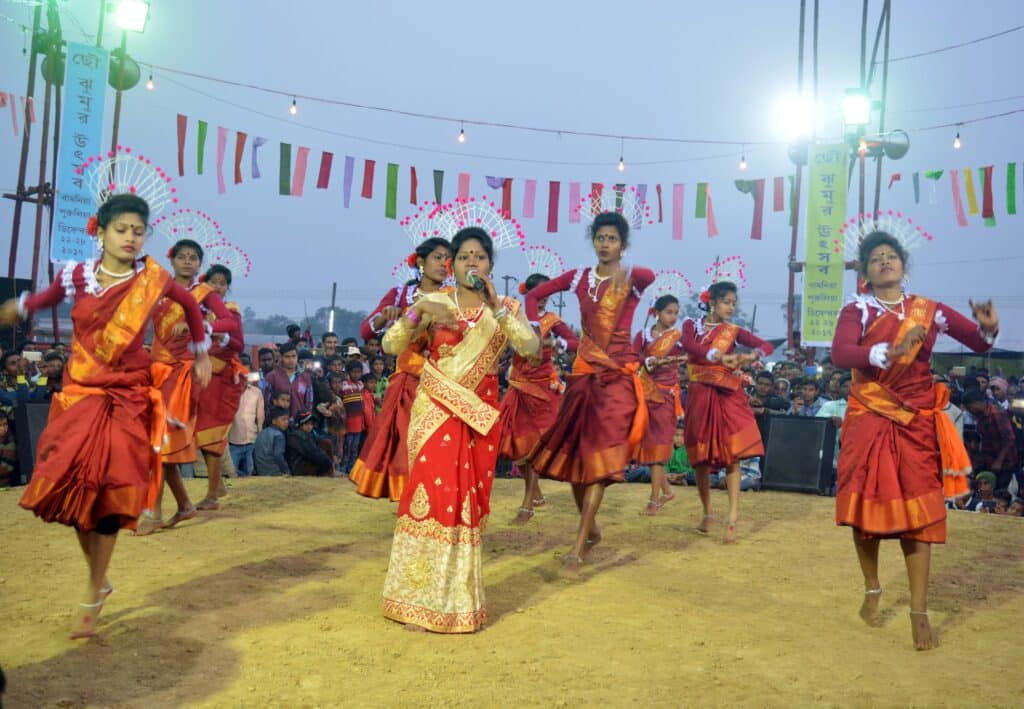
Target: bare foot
point(730, 534)
point(85, 622)
point(869, 612)
point(413, 628)
point(540, 502)
point(208, 505)
point(222, 490)
point(181, 516)
point(571, 566)
point(666, 498)
point(651, 509)
point(524, 515)
point(593, 539)
point(705, 524)
point(924, 638)
point(148, 524)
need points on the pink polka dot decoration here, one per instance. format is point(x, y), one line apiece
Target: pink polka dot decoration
point(228, 254)
point(912, 236)
point(732, 268)
point(625, 200)
point(543, 260)
point(429, 220)
point(187, 223)
point(122, 172)
point(670, 281)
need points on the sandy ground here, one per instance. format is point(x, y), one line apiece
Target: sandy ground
point(274, 601)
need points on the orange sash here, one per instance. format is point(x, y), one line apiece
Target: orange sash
point(867, 394)
point(715, 374)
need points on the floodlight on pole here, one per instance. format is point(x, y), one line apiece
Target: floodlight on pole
point(796, 119)
point(132, 15)
point(856, 106)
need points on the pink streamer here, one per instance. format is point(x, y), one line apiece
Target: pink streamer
point(712, 227)
point(299, 174)
point(222, 141)
point(529, 197)
point(31, 110)
point(574, 202)
point(677, 212)
point(958, 202)
point(464, 186)
point(9, 99)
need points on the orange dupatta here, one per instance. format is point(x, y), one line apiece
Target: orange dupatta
point(716, 374)
point(652, 390)
point(592, 351)
point(873, 395)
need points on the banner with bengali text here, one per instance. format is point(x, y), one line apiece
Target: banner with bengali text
point(81, 133)
point(823, 267)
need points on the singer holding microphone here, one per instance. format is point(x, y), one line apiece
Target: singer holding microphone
point(434, 579)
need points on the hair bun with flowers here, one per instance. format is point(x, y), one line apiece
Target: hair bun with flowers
point(170, 253)
point(411, 260)
point(522, 289)
point(92, 226)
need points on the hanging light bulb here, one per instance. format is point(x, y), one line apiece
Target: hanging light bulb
point(956, 141)
point(462, 133)
point(743, 159)
point(294, 108)
point(622, 164)
point(622, 152)
point(149, 83)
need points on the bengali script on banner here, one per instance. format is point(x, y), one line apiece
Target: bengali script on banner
point(81, 133)
point(823, 268)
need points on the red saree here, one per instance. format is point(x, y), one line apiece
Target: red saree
point(218, 402)
point(434, 576)
point(896, 442)
point(603, 415)
point(720, 428)
point(531, 404)
point(97, 456)
point(661, 390)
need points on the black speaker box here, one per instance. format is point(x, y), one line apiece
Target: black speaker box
point(798, 456)
point(29, 422)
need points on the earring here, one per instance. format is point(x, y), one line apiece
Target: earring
point(99, 246)
point(905, 284)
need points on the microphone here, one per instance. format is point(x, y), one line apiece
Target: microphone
point(475, 282)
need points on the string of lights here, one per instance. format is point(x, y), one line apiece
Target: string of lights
point(947, 48)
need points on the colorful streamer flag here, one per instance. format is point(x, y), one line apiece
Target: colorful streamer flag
point(934, 176)
point(299, 174)
point(240, 138)
point(958, 203)
point(574, 200)
point(391, 195)
point(494, 183)
point(972, 196)
point(368, 167)
point(256, 143)
point(284, 173)
point(661, 212)
point(778, 194)
point(323, 178)
point(917, 188)
point(987, 208)
point(677, 212)
point(754, 188)
point(641, 198)
point(1011, 188)
point(529, 197)
point(200, 146)
point(463, 189)
point(439, 186)
point(506, 198)
point(712, 226)
point(346, 185)
point(413, 185)
point(222, 142)
point(596, 193)
point(894, 178)
point(554, 187)
point(182, 129)
point(620, 191)
point(701, 210)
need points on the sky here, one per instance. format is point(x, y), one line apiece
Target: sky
point(711, 71)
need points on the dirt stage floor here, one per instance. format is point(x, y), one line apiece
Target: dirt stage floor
point(275, 601)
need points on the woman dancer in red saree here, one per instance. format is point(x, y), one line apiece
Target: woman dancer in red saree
point(603, 415)
point(720, 429)
point(900, 455)
point(383, 466)
point(434, 579)
point(218, 402)
point(98, 458)
point(531, 402)
point(661, 352)
point(172, 361)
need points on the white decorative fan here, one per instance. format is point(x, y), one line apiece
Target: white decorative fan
point(732, 268)
point(485, 213)
point(429, 220)
point(670, 282)
point(624, 200)
point(228, 254)
point(852, 233)
point(192, 224)
point(403, 273)
point(543, 260)
point(122, 172)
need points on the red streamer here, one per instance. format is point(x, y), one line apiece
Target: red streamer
point(596, 188)
point(779, 194)
point(413, 184)
point(239, 151)
point(554, 187)
point(506, 198)
point(661, 214)
point(368, 166)
point(986, 200)
point(755, 227)
point(323, 179)
point(182, 128)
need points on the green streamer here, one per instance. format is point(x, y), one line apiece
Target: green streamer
point(285, 174)
point(438, 186)
point(200, 147)
point(620, 189)
point(1011, 188)
point(391, 198)
point(702, 201)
